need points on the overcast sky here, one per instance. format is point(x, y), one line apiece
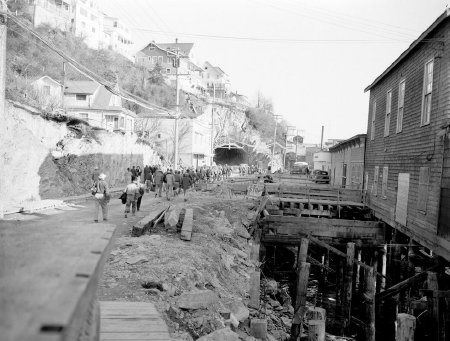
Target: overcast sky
point(313, 58)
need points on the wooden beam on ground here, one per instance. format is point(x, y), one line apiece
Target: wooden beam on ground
point(143, 225)
point(186, 230)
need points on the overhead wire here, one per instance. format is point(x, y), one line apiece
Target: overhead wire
point(87, 72)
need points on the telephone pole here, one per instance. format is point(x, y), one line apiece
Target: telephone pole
point(3, 29)
point(274, 136)
point(212, 123)
point(177, 115)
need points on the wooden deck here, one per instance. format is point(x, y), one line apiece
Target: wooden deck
point(131, 321)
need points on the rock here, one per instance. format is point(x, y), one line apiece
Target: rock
point(169, 288)
point(242, 232)
point(136, 260)
point(280, 335)
point(271, 338)
point(225, 334)
point(238, 309)
point(258, 328)
point(222, 214)
point(274, 303)
point(152, 285)
point(291, 309)
point(152, 292)
point(225, 313)
point(287, 322)
point(232, 322)
point(271, 286)
point(227, 260)
point(197, 299)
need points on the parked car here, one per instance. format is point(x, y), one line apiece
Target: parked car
point(299, 168)
point(320, 176)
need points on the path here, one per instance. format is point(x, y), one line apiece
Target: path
point(131, 321)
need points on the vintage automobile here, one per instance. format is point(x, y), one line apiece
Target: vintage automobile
point(320, 176)
point(299, 168)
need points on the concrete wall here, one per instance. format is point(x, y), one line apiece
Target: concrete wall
point(43, 159)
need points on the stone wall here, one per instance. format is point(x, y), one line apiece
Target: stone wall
point(43, 159)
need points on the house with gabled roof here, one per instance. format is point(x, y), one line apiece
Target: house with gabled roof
point(216, 80)
point(93, 103)
point(163, 55)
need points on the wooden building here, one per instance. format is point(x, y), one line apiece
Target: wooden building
point(347, 162)
point(407, 161)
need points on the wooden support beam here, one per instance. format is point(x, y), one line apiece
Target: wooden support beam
point(406, 326)
point(369, 297)
point(432, 284)
point(314, 261)
point(395, 289)
point(300, 304)
point(348, 281)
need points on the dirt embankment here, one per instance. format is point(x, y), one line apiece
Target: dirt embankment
point(201, 286)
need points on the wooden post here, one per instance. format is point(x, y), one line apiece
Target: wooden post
point(432, 284)
point(384, 267)
point(339, 281)
point(303, 251)
point(316, 330)
point(348, 281)
point(406, 326)
point(300, 301)
point(369, 297)
point(254, 289)
point(3, 33)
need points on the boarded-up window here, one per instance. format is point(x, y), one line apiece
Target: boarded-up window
point(385, 182)
point(375, 181)
point(424, 180)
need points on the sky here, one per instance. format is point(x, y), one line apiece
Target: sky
point(312, 58)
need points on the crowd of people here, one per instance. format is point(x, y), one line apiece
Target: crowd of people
point(155, 179)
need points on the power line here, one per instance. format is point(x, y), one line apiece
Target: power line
point(87, 72)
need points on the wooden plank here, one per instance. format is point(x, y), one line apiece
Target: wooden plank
point(320, 201)
point(395, 289)
point(144, 224)
point(186, 230)
point(156, 336)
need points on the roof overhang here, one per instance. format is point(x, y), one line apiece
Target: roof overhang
point(433, 26)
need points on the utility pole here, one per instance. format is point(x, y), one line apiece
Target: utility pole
point(177, 115)
point(63, 83)
point(3, 30)
point(296, 145)
point(274, 136)
point(212, 122)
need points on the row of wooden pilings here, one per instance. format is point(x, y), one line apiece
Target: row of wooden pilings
point(365, 280)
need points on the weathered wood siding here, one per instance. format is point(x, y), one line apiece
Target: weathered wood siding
point(415, 146)
point(352, 154)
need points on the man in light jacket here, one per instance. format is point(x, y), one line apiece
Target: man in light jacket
point(132, 191)
point(170, 182)
point(101, 198)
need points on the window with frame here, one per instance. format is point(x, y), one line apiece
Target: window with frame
point(160, 59)
point(427, 92)
point(384, 184)
point(387, 118)
point(401, 104)
point(81, 97)
point(84, 116)
point(422, 196)
point(168, 70)
point(375, 181)
point(154, 59)
point(372, 123)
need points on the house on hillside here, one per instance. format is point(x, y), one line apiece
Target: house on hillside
point(407, 161)
point(93, 103)
point(56, 13)
point(116, 36)
point(217, 82)
point(347, 162)
point(164, 55)
point(48, 89)
point(194, 139)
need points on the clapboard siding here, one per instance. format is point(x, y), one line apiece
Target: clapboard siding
point(415, 146)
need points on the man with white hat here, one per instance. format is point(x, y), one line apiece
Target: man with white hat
point(101, 197)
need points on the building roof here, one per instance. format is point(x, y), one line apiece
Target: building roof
point(81, 87)
point(217, 69)
point(347, 143)
point(46, 77)
point(171, 48)
point(411, 47)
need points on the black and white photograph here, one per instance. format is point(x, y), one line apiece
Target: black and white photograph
point(240, 170)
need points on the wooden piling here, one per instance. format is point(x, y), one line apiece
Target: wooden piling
point(369, 297)
point(339, 284)
point(348, 281)
point(406, 326)
point(316, 330)
point(300, 301)
point(432, 284)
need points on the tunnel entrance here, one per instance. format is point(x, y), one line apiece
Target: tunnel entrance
point(230, 154)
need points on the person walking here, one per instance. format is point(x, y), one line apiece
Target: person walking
point(101, 197)
point(140, 194)
point(170, 182)
point(148, 180)
point(177, 176)
point(158, 178)
point(186, 183)
point(132, 191)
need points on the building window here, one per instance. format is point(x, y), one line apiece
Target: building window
point(401, 104)
point(160, 59)
point(385, 183)
point(46, 90)
point(154, 59)
point(168, 70)
point(372, 123)
point(387, 118)
point(122, 123)
point(81, 97)
point(427, 90)
point(424, 180)
point(84, 116)
point(375, 181)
